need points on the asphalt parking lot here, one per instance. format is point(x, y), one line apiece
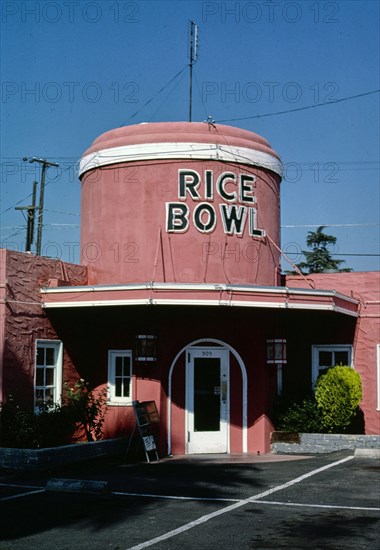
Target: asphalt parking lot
point(328, 501)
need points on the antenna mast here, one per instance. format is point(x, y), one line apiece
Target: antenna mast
point(193, 55)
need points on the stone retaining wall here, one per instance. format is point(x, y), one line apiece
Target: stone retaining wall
point(43, 459)
point(321, 443)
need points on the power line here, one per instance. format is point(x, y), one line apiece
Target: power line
point(353, 254)
point(166, 97)
point(155, 95)
point(341, 162)
point(124, 124)
point(223, 120)
point(31, 194)
point(332, 225)
point(62, 225)
point(13, 235)
point(60, 212)
point(11, 227)
point(299, 108)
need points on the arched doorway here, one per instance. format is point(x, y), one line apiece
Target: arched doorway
point(207, 401)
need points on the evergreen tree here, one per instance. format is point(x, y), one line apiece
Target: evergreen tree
point(319, 259)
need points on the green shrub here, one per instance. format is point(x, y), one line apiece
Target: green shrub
point(298, 416)
point(18, 426)
point(88, 408)
point(338, 394)
point(54, 424)
point(23, 428)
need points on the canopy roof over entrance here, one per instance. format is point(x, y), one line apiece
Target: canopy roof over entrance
point(194, 294)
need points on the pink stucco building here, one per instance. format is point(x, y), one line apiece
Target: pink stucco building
point(179, 297)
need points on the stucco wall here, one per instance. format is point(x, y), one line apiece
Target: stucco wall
point(23, 319)
point(364, 287)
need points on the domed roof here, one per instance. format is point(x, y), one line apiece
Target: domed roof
point(157, 140)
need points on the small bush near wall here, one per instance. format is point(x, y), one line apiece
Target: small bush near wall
point(17, 426)
point(338, 394)
point(22, 428)
point(83, 409)
point(298, 416)
point(88, 408)
point(333, 409)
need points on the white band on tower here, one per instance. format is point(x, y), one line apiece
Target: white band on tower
point(167, 150)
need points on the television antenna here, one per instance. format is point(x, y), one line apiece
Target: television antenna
point(193, 55)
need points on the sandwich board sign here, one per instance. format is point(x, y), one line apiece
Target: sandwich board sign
point(145, 415)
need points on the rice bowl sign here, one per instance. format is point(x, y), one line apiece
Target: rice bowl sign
point(237, 213)
point(181, 202)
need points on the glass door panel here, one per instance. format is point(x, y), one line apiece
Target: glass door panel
point(206, 395)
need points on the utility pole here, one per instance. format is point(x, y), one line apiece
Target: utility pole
point(32, 216)
point(31, 213)
point(193, 55)
point(45, 166)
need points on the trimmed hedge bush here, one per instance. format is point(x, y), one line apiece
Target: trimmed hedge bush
point(338, 394)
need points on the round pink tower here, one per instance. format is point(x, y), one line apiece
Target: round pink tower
point(180, 202)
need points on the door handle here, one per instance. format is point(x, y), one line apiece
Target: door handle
point(224, 391)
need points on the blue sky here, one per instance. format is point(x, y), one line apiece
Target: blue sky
point(71, 70)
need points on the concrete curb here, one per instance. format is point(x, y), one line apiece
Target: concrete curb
point(314, 443)
point(47, 458)
point(367, 453)
point(77, 486)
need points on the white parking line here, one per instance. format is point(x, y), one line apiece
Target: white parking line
point(207, 517)
point(334, 506)
point(21, 486)
point(174, 497)
point(23, 494)
point(274, 502)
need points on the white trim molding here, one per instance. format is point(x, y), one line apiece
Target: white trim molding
point(56, 384)
point(114, 399)
point(199, 302)
point(332, 348)
point(199, 286)
point(185, 150)
point(208, 295)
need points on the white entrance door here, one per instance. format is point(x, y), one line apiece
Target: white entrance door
point(207, 400)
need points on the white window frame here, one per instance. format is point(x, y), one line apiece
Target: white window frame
point(112, 398)
point(58, 361)
point(332, 348)
point(378, 375)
